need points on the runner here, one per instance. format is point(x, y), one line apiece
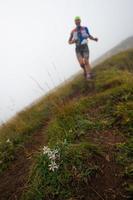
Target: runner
point(80, 36)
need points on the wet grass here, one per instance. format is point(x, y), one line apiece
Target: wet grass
point(19, 129)
point(108, 107)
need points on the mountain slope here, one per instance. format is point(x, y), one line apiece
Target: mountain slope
point(89, 153)
point(87, 127)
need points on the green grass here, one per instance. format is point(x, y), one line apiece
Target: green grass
point(21, 128)
point(74, 111)
point(107, 108)
point(74, 170)
point(125, 158)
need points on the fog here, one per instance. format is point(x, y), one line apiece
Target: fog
point(34, 53)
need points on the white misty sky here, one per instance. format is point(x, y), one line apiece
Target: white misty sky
point(33, 43)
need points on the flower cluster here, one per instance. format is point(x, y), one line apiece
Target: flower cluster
point(53, 156)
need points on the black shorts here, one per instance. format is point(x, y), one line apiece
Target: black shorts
point(82, 51)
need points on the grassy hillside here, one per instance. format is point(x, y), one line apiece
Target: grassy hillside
point(19, 129)
point(89, 127)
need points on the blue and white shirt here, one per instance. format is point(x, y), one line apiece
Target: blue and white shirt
point(80, 34)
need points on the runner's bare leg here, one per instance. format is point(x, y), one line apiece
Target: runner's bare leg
point(87, 66)
point(82, 64)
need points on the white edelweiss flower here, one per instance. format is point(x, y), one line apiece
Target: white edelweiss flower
point(55, 151)
point(1, 161)
point(50, 153)
point(53, 166)
point(46, 150)
point(8, 141)
point(52, 156)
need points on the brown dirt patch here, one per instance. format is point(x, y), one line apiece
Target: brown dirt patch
point(12, 181)
point(108, 184)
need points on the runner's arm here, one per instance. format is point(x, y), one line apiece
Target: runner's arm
point(90, 36)
point(71, 41)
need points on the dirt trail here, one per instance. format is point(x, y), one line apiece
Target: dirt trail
point(108, 184)
point(12, 181)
